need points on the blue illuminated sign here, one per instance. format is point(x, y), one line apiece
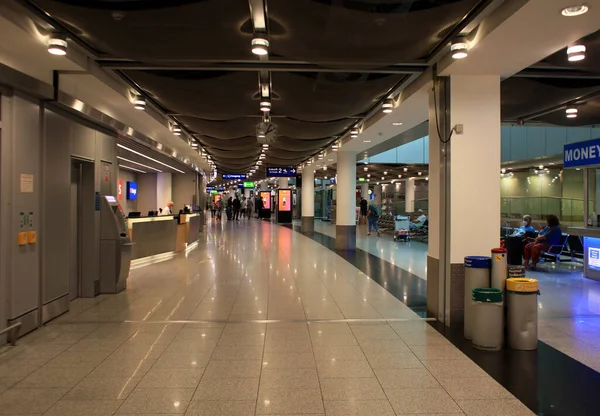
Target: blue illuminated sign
point(210, 188)
point(132, 191)
point(234, 176)
point(280, 172)
point(582, 154)
point(591, 247)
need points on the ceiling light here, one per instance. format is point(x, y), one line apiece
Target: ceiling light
point(265, 105)
point(57, 45)
point(572, 11)
point(259, 163)
point(571, 112)
point(385, 173)
point(366, 141)
point(366, 168)
point(265, 146)
point(405, 169)
point(260, 45)
point(139, 164)
point(369, 175)
point(399, 176)
point(420, 173)
point(576, 53)
point(149, 158)
point(176, 130)
point(130, 168)
point(388, 105)
point(139, 103)
point(502, 170)
point(459, 49)
point(396, 123)
point(354, 132)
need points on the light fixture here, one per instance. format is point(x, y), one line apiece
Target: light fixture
point(259, 163)
point(260, 45)
point(139, 164)
point(388, 105)
point(383, 178)
point(571, 112)
point(176, 130)
point(576, 53)
point(265, 146)
point(139, 103)
point(354, 132)
point(399, 176)
point(366, 168)
point(385, 173)
point(420, 173)
point(396, 123)
point(265, 105)
point(459, 49)
point(133, 169)
point(366, 141)
point(149, 158)
point(502, 170)
point(405, 169)
point(57, 45)
point(572, 11)
point(369, 175)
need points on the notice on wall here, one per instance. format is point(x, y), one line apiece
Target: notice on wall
point(26, 183)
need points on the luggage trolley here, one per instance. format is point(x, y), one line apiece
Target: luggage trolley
point(402, 228)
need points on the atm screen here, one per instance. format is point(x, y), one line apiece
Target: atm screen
point(110, 198)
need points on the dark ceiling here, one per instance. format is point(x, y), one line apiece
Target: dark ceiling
point(330, 63)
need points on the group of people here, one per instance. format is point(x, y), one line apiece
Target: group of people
point(234, 208)
point(370, 213)
point(535, 245)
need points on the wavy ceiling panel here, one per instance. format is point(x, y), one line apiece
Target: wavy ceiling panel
point(149, 30)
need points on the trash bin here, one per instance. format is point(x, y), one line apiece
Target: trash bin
point(522, 313)
point(516, 271)
point(499, 268)
point(514, 250)
point(488, 321)
point(477, 274)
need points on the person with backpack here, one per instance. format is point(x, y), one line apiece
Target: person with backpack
point(372, 218)
point(237, 206)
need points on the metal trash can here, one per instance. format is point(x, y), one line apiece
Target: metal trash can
point(499, 268)
point(522, 313)
point(488, 322)
point(477, 274)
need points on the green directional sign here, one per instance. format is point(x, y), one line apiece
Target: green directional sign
point(248, 184)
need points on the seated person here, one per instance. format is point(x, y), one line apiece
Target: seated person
point(549, 236)
point(525, 228)
point(419, 221)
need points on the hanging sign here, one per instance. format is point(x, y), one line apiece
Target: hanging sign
point(281, 172)
point(582, 154)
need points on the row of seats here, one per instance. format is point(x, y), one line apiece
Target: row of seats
point(386, 222)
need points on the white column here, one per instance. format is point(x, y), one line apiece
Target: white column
point(284, 183)
point(308, 200)
point(346, 201)
point(409, 195)
point(466, 168)
point(164, 190)
point(378, 190)
point(364, 190)
point(264, 186)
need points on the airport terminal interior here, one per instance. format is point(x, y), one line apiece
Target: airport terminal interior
point(300, 207)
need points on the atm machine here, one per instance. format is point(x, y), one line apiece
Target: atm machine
point(115, 246)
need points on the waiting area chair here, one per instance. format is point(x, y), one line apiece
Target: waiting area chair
point(555, 251)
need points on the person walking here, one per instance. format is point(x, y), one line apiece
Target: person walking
point(364, 206)
point(237, 205)
point(219, 209)
point(229, 208)
point(244, 207)
point(373, 217)
point(259, 208)
point(213, 209)
point(249, 207)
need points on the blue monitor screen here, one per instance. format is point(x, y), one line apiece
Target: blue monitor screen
point(132, 191)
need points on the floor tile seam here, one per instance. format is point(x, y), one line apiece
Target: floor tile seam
point(374, 373)
point(312, 348)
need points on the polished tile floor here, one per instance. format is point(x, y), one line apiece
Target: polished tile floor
point(258, 320)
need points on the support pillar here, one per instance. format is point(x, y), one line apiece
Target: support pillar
point(283, 183)
point(464, 169)
point(364, 190)
point(345, 229)
point(378, 191)
point(308, 200)
point(409, 195)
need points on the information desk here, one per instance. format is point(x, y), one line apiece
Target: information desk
point(188, 230)
point(591, 250)
point(152, 236)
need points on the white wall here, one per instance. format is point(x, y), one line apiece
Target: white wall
point(164, 189)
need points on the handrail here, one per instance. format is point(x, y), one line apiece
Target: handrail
point(13, 333)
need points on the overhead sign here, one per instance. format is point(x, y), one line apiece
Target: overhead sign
point(241, 185)
point(234, 176)
point(132, 191)
point(210, 188)
point(213, 192)
point(582, 154)
point(361, 179)
point(281, 172)
point(248, 184)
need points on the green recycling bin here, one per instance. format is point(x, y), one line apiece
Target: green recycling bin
point(488, 322)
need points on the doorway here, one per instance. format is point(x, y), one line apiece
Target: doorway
point(81, 224)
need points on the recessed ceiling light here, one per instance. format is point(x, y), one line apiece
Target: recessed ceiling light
point(385, 173)
point(576, 53)
point(139, 164)
point(176, 130)
point(149, 158)
point(388, 105)
point(571, 112)
point(366, 141)
point(130, 168)
point(139, 103)
point(572, 11)
point(57, 45)
point(260, 45)
point(396, 123)
point(266, 146)
point(366, 168)
point(405, 169)
point(354, 132)
point(459, 49)
point(265, 105)
point(383, 178)
point(399, 176)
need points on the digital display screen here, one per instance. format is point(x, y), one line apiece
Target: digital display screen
point(266, 199)
point(110, 198)
point(285, 199)
point(132, 191)
point(592, 249)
